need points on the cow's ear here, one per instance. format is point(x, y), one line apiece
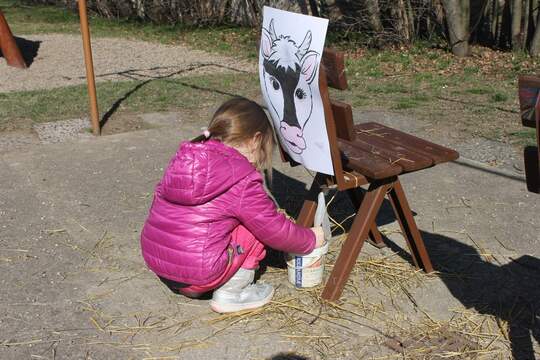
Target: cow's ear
point(266, 43)
point(304, 46)
point(309, 65)
point(272, 31)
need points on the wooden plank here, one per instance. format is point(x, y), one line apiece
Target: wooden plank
point(334, 64)
point(528, 92)
point(366, 163)
point(395, 153)
point(408, 227)
point(348, 255)
point(354, 179)
point(438, 153)
point(375, 237)
point(531, 156)
point(331, 130)
point(344, 120)
point(8, 46)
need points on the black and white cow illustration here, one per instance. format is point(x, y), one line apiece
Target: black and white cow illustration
point(289, 70)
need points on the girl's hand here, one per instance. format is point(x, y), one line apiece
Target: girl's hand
point(319, 236)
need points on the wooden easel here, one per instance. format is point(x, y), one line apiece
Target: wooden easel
point(8, 45)
point(367, 154)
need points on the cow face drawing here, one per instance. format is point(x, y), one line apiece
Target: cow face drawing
point(288, 71)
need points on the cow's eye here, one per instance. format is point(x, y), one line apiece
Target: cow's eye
point(275, 84)
point(300, 93)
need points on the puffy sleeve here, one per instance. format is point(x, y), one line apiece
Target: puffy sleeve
point(258, 213)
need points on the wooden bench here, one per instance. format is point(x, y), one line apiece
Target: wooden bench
point(529, 104)
point(8, 45)
point(367, 154)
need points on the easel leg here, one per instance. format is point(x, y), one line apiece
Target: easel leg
point(307, 213)
point(352, 246)
point(375, 238)
point(408, 226)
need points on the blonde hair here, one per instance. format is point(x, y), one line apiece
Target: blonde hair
point(237, 121)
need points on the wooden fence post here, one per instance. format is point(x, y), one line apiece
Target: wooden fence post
point(9, 47)
point(90, 79)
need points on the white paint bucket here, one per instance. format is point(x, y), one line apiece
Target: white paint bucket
point(307, 270)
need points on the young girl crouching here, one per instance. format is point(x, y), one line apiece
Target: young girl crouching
point(211, 217)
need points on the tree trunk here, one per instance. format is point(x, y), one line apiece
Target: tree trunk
point(439, 12)
point(517, 41)
point(458, 18)
point(374, 14)
point(303, 6)
point(410, 17)
point(535, 43)
point(494, 23)
point(401, 22)
point(314, 7)
point(534, 13)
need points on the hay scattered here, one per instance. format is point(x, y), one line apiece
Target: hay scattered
point(467, 335)
point(370, 318)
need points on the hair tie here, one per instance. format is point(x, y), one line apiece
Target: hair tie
point(206, 133)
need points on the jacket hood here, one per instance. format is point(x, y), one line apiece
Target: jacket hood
point(199, 172)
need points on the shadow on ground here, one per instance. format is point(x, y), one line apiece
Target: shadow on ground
point(288, 356)
point(290, 193)
point(29, 49)
point(133, 74)
point(509, 292)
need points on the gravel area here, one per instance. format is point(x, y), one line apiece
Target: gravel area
point(60, 131)
point(59, 62)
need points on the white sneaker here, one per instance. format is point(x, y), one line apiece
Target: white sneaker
point(239, 293)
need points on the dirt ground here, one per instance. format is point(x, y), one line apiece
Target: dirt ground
point(74, 285)
point(59, 62)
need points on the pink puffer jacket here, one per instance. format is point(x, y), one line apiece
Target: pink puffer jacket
point(207, 190)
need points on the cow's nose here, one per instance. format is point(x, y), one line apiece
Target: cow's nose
point(293, 134)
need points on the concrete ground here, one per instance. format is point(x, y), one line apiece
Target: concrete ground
point(74, 284)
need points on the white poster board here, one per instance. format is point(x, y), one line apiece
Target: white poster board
point(289, 57)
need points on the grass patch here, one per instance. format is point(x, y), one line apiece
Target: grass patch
point(499, 97)
point(360, 100)
point(525, 136)
point(421, 97)
point(406, 103)
point(479, 91)
point(21, 109)
point(415, 100)
point(471, 70)
point(388, 88)
point(426, 82)
point(443, 64)
point(360, 68)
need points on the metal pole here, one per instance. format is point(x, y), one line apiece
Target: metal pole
point(90, 79)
